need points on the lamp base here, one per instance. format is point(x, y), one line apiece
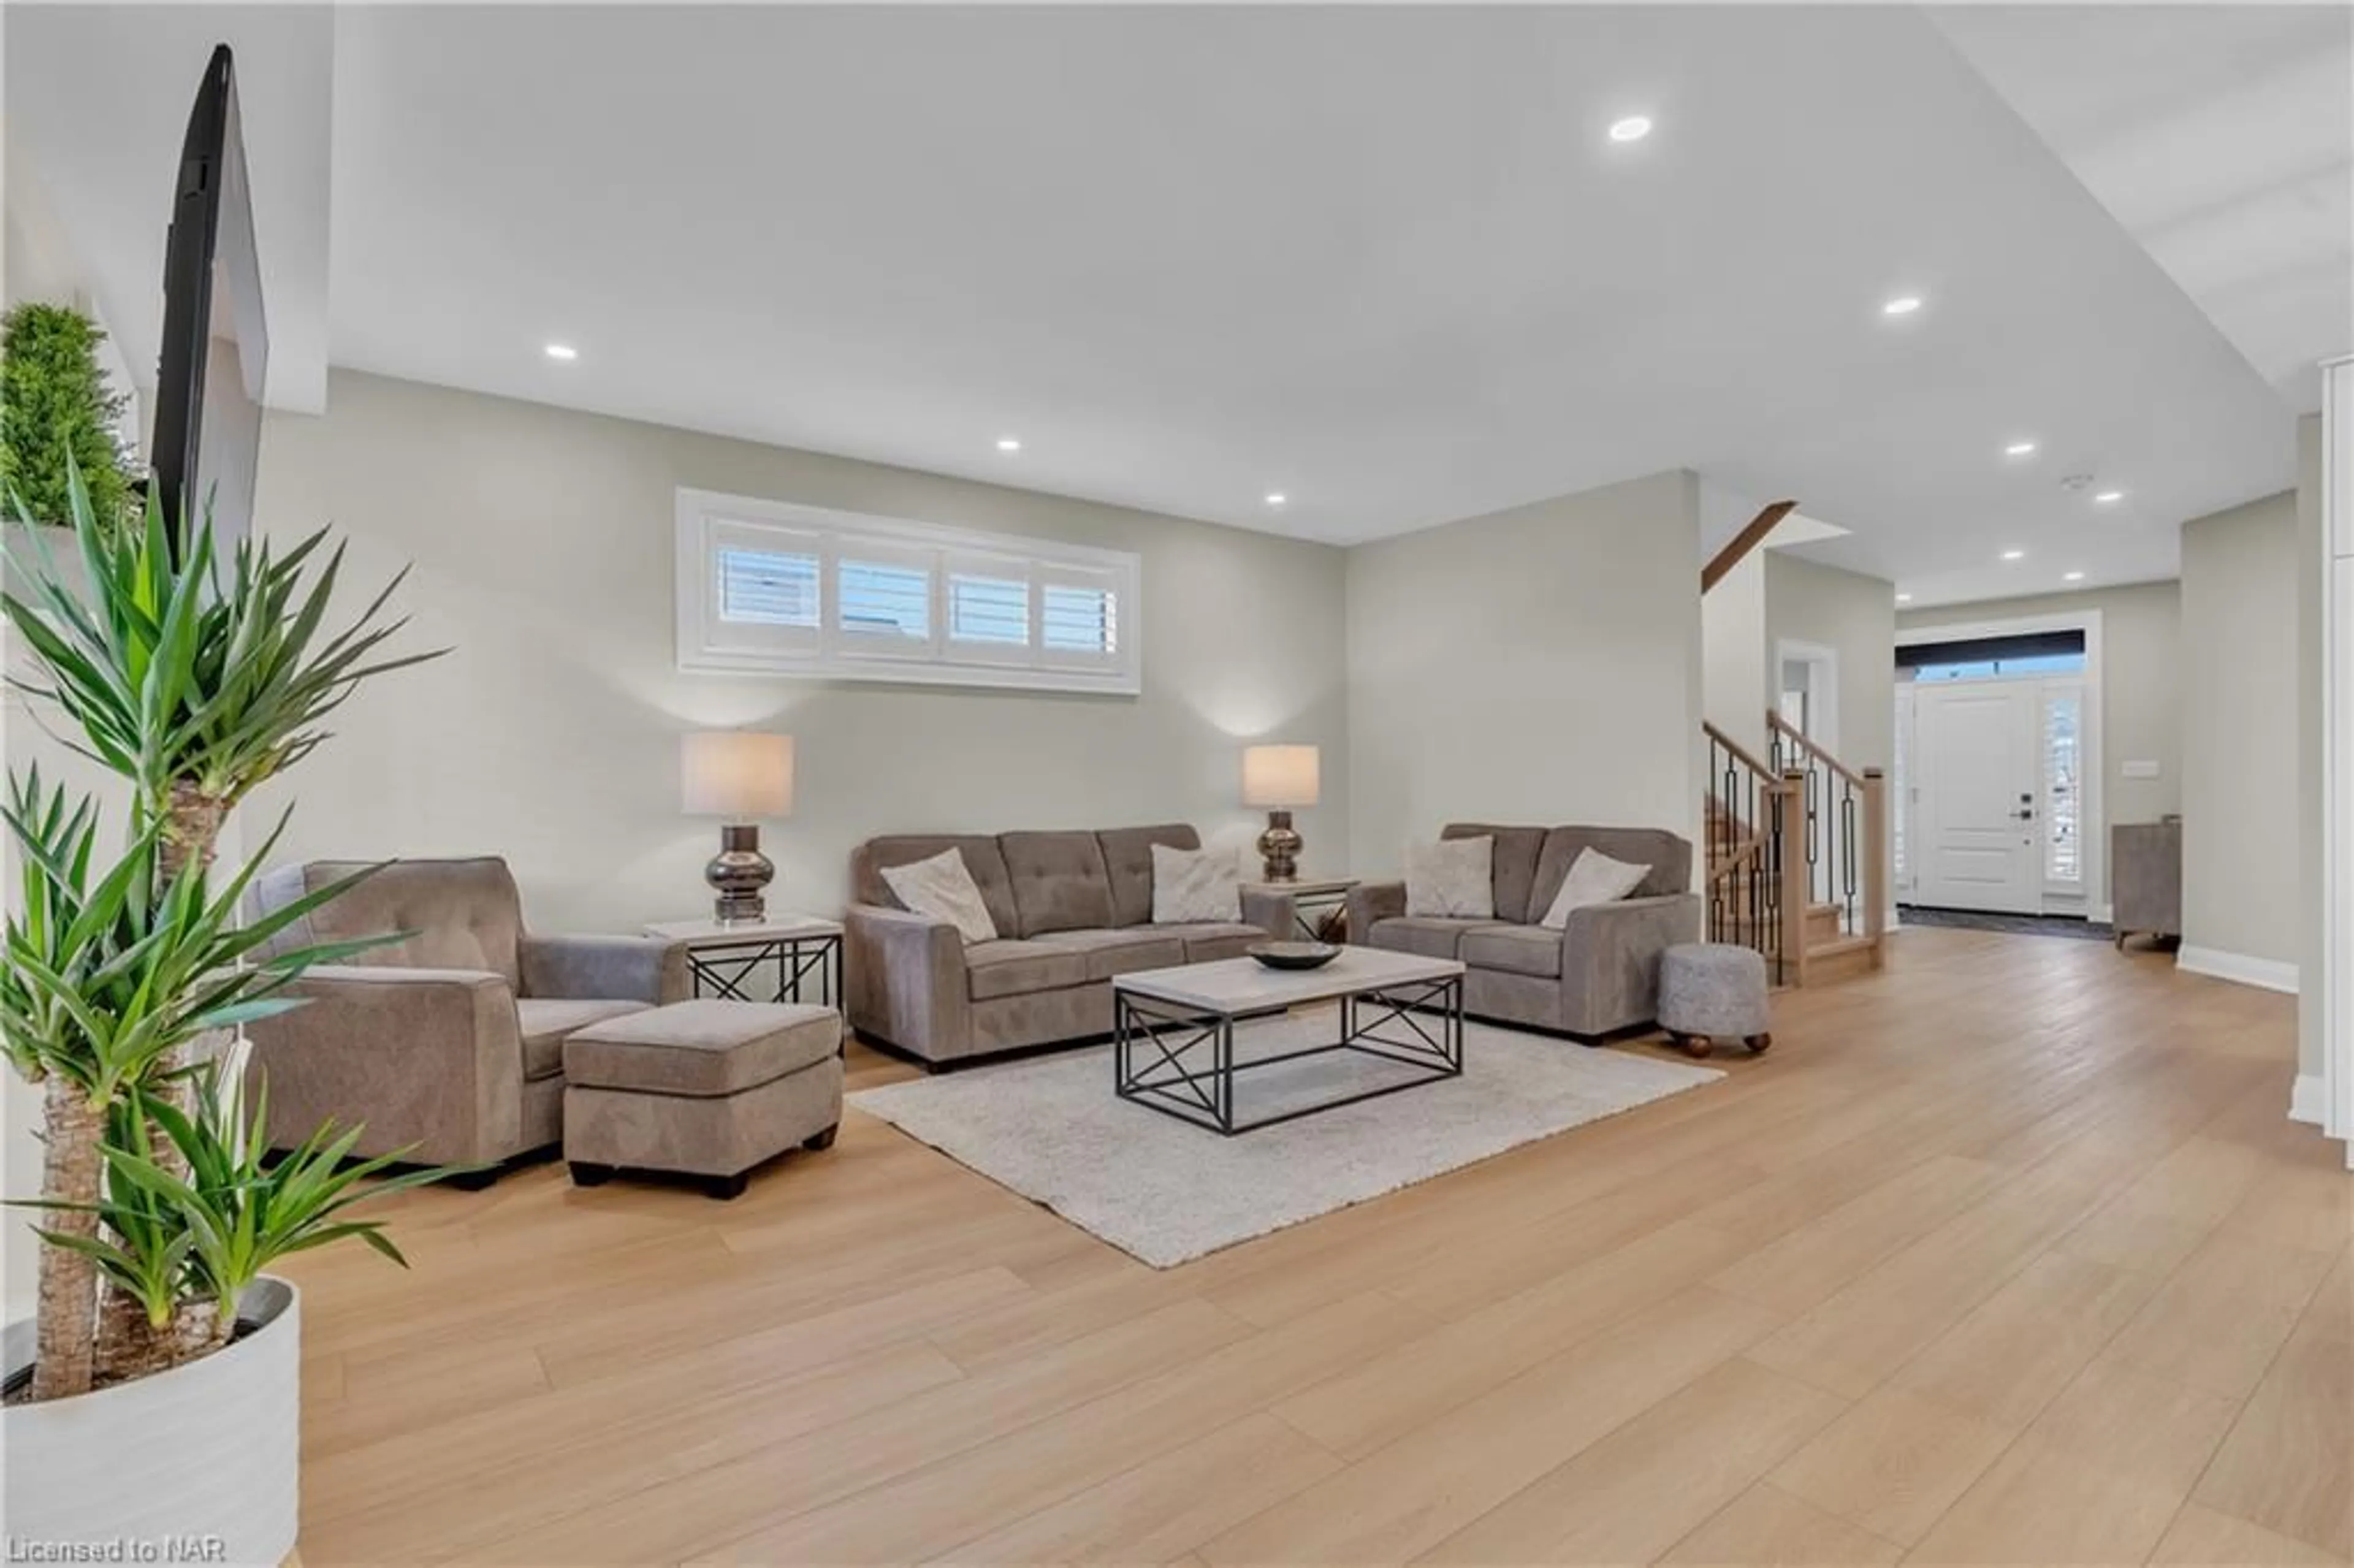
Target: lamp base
point(739, 872)
point(1279, 849)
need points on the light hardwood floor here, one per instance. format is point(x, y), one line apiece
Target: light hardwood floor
point(2008, 1254)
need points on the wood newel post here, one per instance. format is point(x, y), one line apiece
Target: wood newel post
point(1796, 885)
point(1875, 861)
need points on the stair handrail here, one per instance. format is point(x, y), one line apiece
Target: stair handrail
point(1804, 742)
point(1739, 752)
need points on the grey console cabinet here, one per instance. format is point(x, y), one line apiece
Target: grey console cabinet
point(2145, 878)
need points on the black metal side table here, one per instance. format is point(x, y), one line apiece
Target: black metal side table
point(734, 961)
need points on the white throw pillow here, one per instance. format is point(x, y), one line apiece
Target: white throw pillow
point(943, 889)
point(1452, 878)
point(1190, 887)
point(1593, 878)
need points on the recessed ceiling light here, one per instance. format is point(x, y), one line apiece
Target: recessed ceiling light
point(2110, 497)
point(2072, 576)
point(1902, 305)
point(2014, 555)
point(1276, 498)
point(1904, 598)
point(1008, 444)
point(1634, 128)
point(562, 351)
point(2019, 448)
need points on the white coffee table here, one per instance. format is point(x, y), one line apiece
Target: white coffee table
point(1173, 1029)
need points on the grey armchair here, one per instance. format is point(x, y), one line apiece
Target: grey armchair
point(450, 1040)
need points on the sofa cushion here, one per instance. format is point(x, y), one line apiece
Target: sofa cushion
point(1521, 949)
point(1191, 887)
point(702, 1048)
point(1432, 936)
point(1208, 940)
point(1452, 879)
point(547, 1021)
point(1122, 952)
point(981, 857)
point(1668, 857)
point(1128, 865)
point(943, 889)
point(1513, 865)
point(1012, 968)
point(1059, 882)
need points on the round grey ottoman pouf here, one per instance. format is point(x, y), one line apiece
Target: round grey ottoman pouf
point(1713, 989)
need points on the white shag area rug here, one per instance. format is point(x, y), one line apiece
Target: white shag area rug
point(1164, 1191)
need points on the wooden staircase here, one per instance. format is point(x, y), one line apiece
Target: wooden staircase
point(1791, 855)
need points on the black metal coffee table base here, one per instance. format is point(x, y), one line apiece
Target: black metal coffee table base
point(1181, 1061)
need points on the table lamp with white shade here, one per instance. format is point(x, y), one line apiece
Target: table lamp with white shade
point(738, 776)
point(1280, 778)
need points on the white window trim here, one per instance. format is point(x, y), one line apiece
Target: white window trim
point(2090, 899)
point(704, 649)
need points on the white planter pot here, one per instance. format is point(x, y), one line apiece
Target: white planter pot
point(199, 1464)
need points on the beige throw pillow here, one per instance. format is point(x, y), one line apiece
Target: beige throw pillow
point(1190, 887)
point(943, 889)
point(1593, 878)
point(1452, 878)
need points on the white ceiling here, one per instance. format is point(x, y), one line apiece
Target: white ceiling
point(1383, 260)
point(2218, 137)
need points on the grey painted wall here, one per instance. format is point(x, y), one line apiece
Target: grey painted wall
point(2312, 738)
point(542, 541)
point(1541, 664)
point(1855, 616)
point(2242, 872)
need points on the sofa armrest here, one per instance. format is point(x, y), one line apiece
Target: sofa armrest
point(907, 982)
point(606, 969)
point(1371, 900)
point(1610, 958)
point(426, 1058)
point(1272, 910)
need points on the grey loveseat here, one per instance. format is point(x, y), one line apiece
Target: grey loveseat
point(452, 1039)
point(1597, 976)
point(1072, 909)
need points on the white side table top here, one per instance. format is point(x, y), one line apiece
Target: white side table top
point(775, 928)
point(1307, 885)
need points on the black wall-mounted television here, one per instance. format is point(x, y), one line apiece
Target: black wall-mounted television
point(209, 382)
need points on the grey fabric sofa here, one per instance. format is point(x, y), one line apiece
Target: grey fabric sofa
point(451, 1039)
point(1072, 909)
point(1596, 977)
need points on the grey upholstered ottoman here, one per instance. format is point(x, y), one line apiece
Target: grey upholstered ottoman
point(1711, 989)
point(704, 1088)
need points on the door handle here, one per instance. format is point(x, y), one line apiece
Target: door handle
point(2026, 816)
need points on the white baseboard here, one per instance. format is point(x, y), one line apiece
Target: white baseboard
point(2101, 914)
point(2306, 1101)
point(2271, 974)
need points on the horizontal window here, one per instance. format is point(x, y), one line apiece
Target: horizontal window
point(777, 588)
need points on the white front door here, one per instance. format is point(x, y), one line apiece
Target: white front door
point(1977, 771)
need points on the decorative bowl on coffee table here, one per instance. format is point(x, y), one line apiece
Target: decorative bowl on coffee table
point(1294, 955)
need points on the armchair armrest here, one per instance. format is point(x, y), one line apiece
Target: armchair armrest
point(1371, 900)
point(907, 982)
point(427, 1057)
point(1610, 958)
point(605, 968)
point(1272, 910)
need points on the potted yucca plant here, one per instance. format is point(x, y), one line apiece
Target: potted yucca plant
point(157, 1337)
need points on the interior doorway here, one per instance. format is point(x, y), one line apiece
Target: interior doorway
point(1807, 690)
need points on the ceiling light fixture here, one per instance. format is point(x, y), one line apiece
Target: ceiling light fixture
point(2110, 497)
point(1634, 128)
point(2019, 448)
point(1008, 444)
point(1276, 498)
point(2014, 555)
point(562, 351)
point(1904, 598)
point(2072, 576)
point(1902, 305)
